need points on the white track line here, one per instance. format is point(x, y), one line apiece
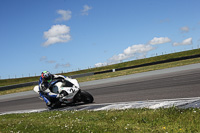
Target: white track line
point(193, 102)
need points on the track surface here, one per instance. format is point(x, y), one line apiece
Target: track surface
point(181, 84)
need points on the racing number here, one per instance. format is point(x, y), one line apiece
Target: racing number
point(72, 90)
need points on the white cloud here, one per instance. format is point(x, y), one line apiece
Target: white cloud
point(184, 29)
point(65, 15)
point(57, 34)
point(159, 40)
point(138, 51)
point(140, 48)
point(62, 65)
point(100, 64)
point(118, 58)
point(135, 51)
point(85, 10)
point(187, 41)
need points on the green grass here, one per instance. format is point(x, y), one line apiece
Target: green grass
point(117, 121)
point(22, 89)
point(115, 66)
point(139, 70)
point(117, 73)
point(5, 82)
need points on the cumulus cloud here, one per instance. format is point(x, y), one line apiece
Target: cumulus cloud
point(65, 15)
point(86, 9)
point(159, 40)
point(140, 48)
point(100, 64)
point(57, 34)
point(187, 41)
point(137, 51)
point(185, 29)
point(62, 65)
point(118, 58)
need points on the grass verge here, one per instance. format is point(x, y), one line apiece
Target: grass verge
point(140, 70)
point(118, 73)
point(22, 89)
point(130, 120)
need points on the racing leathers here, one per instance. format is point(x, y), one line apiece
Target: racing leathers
point(45, 88)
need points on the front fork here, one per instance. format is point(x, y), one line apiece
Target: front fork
point(77, 97)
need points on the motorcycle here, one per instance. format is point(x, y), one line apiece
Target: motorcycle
point(70, 91)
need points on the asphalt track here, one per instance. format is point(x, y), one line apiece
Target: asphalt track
point(179, 82)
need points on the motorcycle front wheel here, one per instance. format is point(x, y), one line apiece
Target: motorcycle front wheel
point(86, 97)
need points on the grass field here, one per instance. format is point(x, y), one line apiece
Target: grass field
point(115, 121)
point(117, 73)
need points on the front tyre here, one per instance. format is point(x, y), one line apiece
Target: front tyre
point(86, 97)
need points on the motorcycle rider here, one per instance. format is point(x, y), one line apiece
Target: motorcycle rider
point(46, 83)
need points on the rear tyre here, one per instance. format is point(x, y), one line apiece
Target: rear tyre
point(86, 97)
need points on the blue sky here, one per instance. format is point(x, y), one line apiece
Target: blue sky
point(66, 35)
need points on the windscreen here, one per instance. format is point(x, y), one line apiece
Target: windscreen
point(67, 84)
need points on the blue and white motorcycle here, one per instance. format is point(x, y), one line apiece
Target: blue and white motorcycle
point(71, 92)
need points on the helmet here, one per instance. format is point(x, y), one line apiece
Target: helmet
point(46, 76)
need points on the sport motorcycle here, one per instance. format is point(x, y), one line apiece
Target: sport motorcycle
point(70, 91)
